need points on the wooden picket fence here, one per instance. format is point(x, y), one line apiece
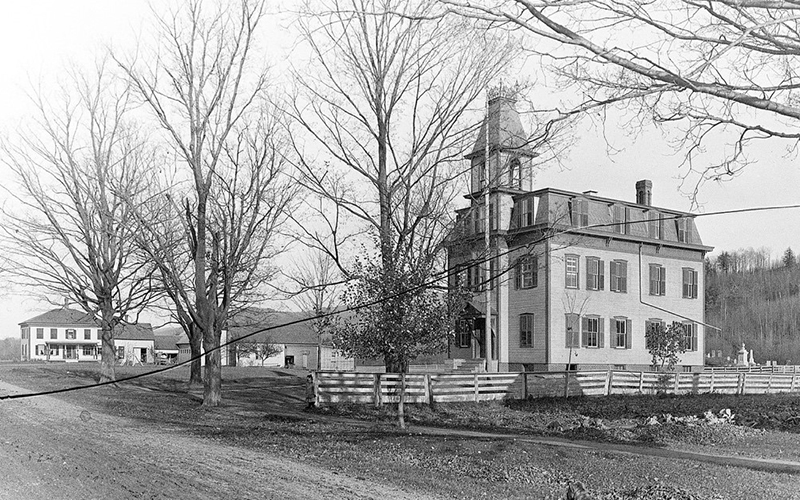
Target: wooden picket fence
point(426, 388)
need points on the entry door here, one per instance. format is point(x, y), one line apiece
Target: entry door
point(143, 355)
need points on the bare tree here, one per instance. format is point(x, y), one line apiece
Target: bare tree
point(202, 86)
point(317, 285)
point(261, 350)
point(68, 231)
point(388, 107)
point(716, 67)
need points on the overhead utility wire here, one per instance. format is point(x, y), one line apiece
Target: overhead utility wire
point(443, 274)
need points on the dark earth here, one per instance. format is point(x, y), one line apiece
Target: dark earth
point(151, 438)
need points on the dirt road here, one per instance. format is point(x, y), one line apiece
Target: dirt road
point(50, 449)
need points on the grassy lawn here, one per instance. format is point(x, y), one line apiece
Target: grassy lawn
point(261, 411)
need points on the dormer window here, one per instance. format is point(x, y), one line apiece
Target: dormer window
point(525, 208)
point(620, 219)
point(656, 225)
point(579, 212)
point(683, 227)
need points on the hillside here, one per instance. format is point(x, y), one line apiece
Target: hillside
point(756, 301)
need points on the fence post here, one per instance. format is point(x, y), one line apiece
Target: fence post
point(428, 391)
point(742, 381)
point(525, 385)
point(769, 384)
point(712, 382)
point(609, 376)
point(476, 387)
point(316, 388)
point(376, 389)
point(675, 388)
point(641, 382)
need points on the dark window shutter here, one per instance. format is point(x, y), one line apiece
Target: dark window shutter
point(694, 284)
point(600, 332)
point(568, 334)
point(601, 274)
point(573, 212)
point(588, 273)
point(662, 284)
point(535, 270)
point(623, 273)
point(628, 333)
point(653, 279)
point(613, 273)
point(584, 331)
point(518, 274)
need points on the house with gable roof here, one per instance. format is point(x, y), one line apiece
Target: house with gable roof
point(71, 335)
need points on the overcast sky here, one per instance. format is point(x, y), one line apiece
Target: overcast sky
point(40, 37)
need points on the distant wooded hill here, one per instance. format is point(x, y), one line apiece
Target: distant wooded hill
point(756, 300)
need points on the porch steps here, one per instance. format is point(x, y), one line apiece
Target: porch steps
point(467, 365)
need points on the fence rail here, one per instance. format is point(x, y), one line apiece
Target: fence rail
point(758, 369)
point(380, 388)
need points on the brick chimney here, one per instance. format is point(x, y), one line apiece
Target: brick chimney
point(644, 192)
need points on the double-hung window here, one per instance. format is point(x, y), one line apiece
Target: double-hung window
point(595, 278)
point(658, 280)
point(526, 330)
point(592, 331)
point(579, 212)
point(690, 336)
point(683, 226)
point(526, 212)
point(527, 272)
point(622, 332)
point(87, 334)
point(572, 271)
point(689, 283)
point(53, 333)
point(464, 332)
point(71, 334)
point(619, 276)
point(656, 225)
point(40, 333)
point(620, 219)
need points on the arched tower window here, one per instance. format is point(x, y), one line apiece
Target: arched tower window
point(515, 173)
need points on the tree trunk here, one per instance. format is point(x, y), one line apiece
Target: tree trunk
point(107, 356)
point(212, 390)
point(401, 410)
point(196, 369)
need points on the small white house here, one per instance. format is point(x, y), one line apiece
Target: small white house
point(70, 335)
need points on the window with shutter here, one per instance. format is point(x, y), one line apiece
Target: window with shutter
point(621, 332)
point(658, 280)
point(579, 212)
point(572, 271)
point(683, 226)
point(656, 225)
point(526, 330)
point(572, 334)
point(690, 336)
point(620, 219)
point(689, 283)
point(619, 276)
point(527, 272)
point(591, 327)
point(595, 278)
